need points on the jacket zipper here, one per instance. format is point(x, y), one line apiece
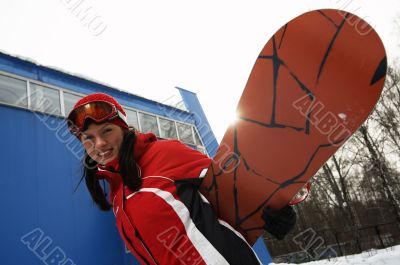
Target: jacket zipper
point(144, 246)
point(132, 246)
point(134, 229)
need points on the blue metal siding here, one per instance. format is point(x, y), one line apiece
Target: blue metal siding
point(193, 105)
point(262, 251)
point(38, 177)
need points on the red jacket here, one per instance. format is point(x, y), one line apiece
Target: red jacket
point(168, 221)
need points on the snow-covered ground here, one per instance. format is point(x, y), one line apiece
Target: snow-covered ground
point(388, 256)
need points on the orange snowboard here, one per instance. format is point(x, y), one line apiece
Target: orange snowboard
point(313, 84)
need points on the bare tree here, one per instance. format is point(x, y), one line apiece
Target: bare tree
point(380, 165)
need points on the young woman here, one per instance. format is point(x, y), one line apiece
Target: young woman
point(160, 214)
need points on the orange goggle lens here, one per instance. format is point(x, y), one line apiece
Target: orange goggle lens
point(98, 111)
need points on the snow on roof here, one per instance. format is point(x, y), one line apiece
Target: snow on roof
point(172, 102)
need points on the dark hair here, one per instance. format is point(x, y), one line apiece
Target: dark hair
point(129, 171)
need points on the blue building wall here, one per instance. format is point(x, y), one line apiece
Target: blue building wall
point(44, 220)
point(193, 105)
point(41, 213)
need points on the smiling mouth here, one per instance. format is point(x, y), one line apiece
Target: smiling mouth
point(106, 154)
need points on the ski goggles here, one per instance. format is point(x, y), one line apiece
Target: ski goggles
point(98, 111)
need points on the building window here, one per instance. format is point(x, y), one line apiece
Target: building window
point(45, 99)
point(168, 129)
point(13, 91)
point(132, 118)
point(41, 98)
point(201, 149)
point(148, 123)
point(185, 133)
point(197, 137)
point(69, 101)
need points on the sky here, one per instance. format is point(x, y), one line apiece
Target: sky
point(150, 47)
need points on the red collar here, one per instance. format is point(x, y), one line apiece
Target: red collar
point(142, 142)
point(112, 166)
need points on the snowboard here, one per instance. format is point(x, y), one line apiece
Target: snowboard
point(314, 83)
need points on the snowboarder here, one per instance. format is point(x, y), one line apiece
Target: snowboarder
point(160, 214)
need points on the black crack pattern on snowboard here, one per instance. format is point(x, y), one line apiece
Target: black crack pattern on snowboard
point(380, 71)
point(277, 64)
point(328, 50)
point(283, 35)
point(328, 18)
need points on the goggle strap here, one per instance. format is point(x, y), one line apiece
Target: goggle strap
point(122, 116)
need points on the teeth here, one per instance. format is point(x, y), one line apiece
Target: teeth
point(105, 153)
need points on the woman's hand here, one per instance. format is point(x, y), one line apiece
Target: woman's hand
point(279, 222)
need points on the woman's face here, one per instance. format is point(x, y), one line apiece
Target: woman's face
point(102, 141)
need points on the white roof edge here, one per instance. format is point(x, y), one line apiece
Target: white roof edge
point(28, 59)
